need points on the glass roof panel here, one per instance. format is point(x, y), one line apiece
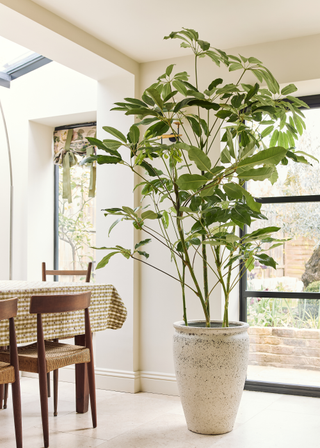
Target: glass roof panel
point(11, 53)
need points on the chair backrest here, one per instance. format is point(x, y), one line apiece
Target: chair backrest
point(60, 303)
point(86, 272)
point(8, 308)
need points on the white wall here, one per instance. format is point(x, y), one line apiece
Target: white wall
point(33, 106)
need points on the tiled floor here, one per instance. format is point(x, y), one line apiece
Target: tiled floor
point(147, 420)
point(271, 374)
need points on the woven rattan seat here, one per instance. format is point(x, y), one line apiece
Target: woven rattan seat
point(57, 356)
point(7, 374)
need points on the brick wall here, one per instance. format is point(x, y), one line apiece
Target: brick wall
point(284, 347)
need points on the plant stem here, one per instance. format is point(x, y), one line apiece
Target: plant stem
point(163, 272)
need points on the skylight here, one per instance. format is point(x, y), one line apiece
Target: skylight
point(16, 61)
point(11, 53)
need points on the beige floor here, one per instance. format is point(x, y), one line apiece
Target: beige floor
point(155, 421)
point(301, 377)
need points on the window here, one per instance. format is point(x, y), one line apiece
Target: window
point(282, 306)
point(74, 213)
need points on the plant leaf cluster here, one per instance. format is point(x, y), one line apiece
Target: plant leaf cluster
point(204, 201)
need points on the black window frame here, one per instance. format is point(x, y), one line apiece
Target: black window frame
point(313, 101)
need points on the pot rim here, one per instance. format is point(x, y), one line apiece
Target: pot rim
point(237, 327)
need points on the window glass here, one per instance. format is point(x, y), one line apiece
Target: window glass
point(284, 341)
point(296, 179)
point(298, 256)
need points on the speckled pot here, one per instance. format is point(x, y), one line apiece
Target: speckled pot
point(211, 365)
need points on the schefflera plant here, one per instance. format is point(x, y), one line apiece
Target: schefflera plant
point(205, 203)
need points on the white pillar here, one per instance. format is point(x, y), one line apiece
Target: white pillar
point(117, 352)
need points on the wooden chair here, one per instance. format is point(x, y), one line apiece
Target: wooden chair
point(46, 356)
point(46, 272)
point(9, 370)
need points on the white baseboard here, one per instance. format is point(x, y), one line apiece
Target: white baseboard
point(126, 381)
point(159, 383)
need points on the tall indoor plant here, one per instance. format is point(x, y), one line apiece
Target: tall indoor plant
point(198, 204)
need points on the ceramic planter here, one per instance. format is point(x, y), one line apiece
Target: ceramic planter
point(211, 365)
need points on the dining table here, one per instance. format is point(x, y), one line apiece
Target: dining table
point(107, 311)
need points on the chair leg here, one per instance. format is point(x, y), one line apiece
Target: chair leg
point(55, 392)
point(48, 384)
point(5, 400)
point(16, 404)
point(44, 406)
point(1, 395)
point(92, 390)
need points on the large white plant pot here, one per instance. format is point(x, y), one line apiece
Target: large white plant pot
point(211, 365)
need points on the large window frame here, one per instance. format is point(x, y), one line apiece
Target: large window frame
point(313, 101)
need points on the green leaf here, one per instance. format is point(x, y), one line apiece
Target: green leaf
point(234, 191)
point(191, 181)
point(144, 254)
point(253, 91)
point(155, 95)
point(196, 102)
point(169, 69)
point(299, 123)
point(255, 206)
point(225, 156)
point(230, 143)
point(270, 156)
point(149, 214)
point(115, 133)
point(107, 159)
point(134, 134)
point(195, 125)
point(165, 219)
point(256, 234)
point(308, 155)
point(235, 66)
point(129, 211)
point(149, 168)
point(267, 131)
point(274, 138)
point(204, 45)
point(239, 215)
point(200, 158)
point(135, 101)
point(142, 243)
point(113, 225)
point(249, 264)
point(254, 61)
point(255, 174)
point(231, 238)
point(180, 87)
point(105, 260)
point(289, 89)
point(266, 260)
point(223, 114)
point(112, 144)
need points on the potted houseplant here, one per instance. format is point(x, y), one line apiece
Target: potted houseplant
point(195, 206)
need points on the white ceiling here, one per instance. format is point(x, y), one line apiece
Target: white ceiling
point(137, 27)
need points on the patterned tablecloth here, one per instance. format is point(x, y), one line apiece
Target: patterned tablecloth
point(106, 310)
